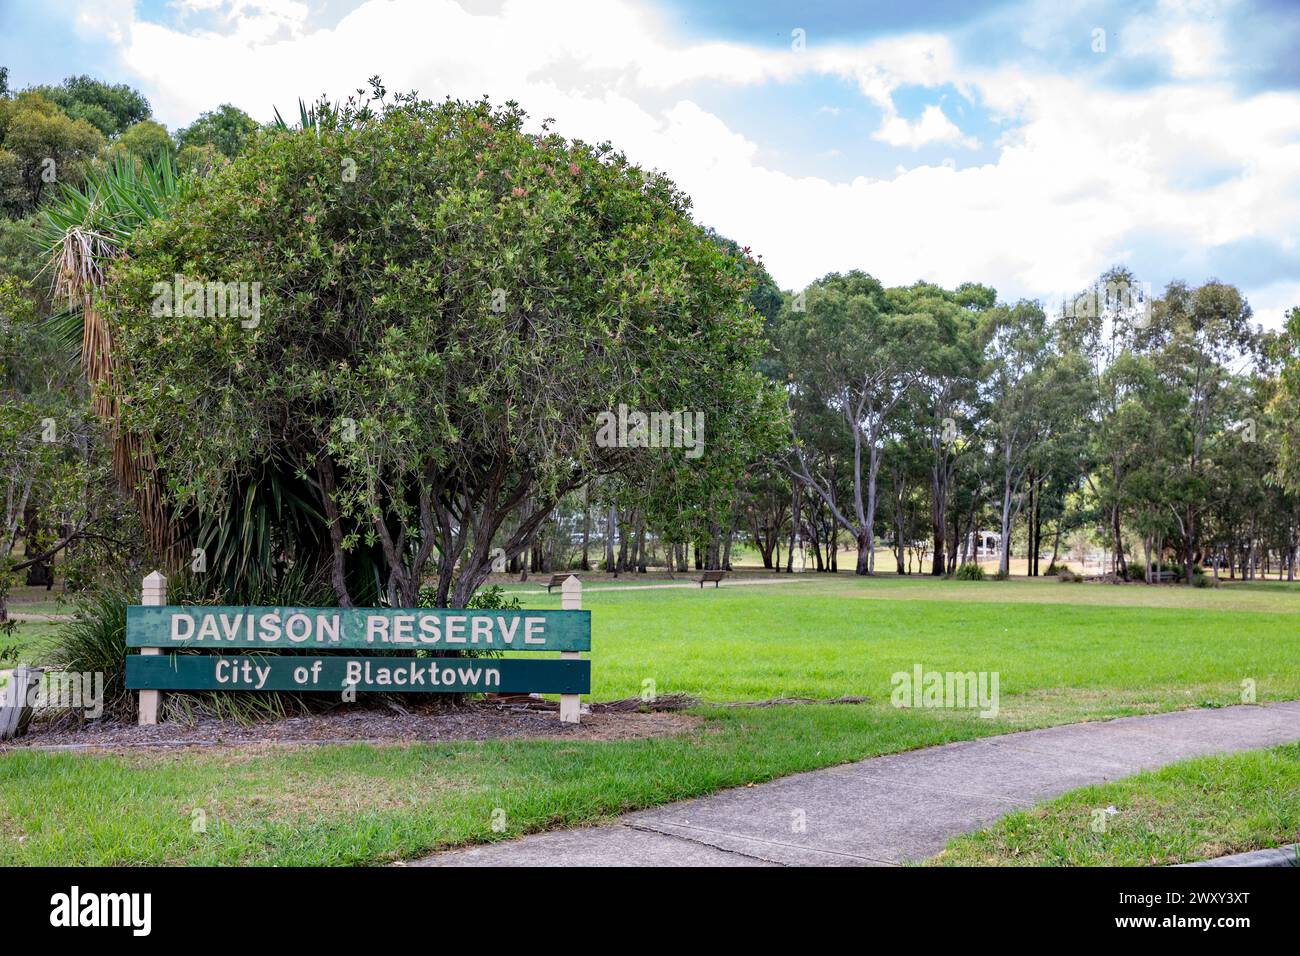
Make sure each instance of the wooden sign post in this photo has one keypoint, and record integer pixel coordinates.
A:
(154, 594)
(570, 600)
(279, 649)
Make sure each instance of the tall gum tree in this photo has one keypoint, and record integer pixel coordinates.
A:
(1037, 388)
(1203, 337)
(850, 350)
(945, 389)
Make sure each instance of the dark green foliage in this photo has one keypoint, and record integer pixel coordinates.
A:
(228, 129)
(110, 108)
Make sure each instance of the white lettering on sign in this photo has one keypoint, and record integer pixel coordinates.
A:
(241, 671)
(417, 673)
(269, 628)
(291, 626)
(453, 629)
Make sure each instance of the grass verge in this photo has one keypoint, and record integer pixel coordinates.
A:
(356, 804)
(1193, 810)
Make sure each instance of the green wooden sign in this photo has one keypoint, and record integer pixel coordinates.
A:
(295, 672)
(317, 629)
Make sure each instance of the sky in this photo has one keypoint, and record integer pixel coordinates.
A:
(1026, 145)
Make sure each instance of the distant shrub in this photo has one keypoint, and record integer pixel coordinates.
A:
(1202, 580)
(494, 599)
(491, 598)
(970, 571)
(1063, 573)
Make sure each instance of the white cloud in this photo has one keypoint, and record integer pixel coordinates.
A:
(1080, 173)
(932, 127)
(1186, 34)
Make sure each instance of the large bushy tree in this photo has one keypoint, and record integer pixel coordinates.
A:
(109, 107)
(40, 146)
(446, 304)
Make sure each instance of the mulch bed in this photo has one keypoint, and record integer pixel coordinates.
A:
(504, 716)
(476, 720)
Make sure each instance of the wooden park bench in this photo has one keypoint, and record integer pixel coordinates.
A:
(1163, 577)
(714, 576)
(558, 579)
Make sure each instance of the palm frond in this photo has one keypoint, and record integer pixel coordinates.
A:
(313, 117)
(82, 232)
(88, 225)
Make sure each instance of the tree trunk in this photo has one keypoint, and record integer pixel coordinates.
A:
(586, 531)
(1037, 543)
(794, 526)
(1004, 549)
(1121, 565)
(864, 543)
(1031, 568)
(938, 527)
(611, 529)
(900, 543)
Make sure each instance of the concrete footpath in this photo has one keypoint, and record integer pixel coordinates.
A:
(890, 810)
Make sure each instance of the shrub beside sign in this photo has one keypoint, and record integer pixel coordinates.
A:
(239, 633)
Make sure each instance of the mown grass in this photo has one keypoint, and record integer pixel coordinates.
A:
(1194, 810)
(847, 637)
(31, 638)
(363, 804)
(1058, 662)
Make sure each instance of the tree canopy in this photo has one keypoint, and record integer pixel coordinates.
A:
(447, 304)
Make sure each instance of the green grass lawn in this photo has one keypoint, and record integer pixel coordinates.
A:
(1062, 653)
(362, 804)
(31, 638)
(844, 636)
(1194, 810)
(38, 600)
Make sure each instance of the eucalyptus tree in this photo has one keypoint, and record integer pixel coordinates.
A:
(852, 351)
(1037, 388)
(945, 405)
(1204, 336)
(823, 447)
(448, 304)
(1109, 323)
(1283, 351)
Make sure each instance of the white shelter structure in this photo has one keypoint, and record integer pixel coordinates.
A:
(984, 544)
